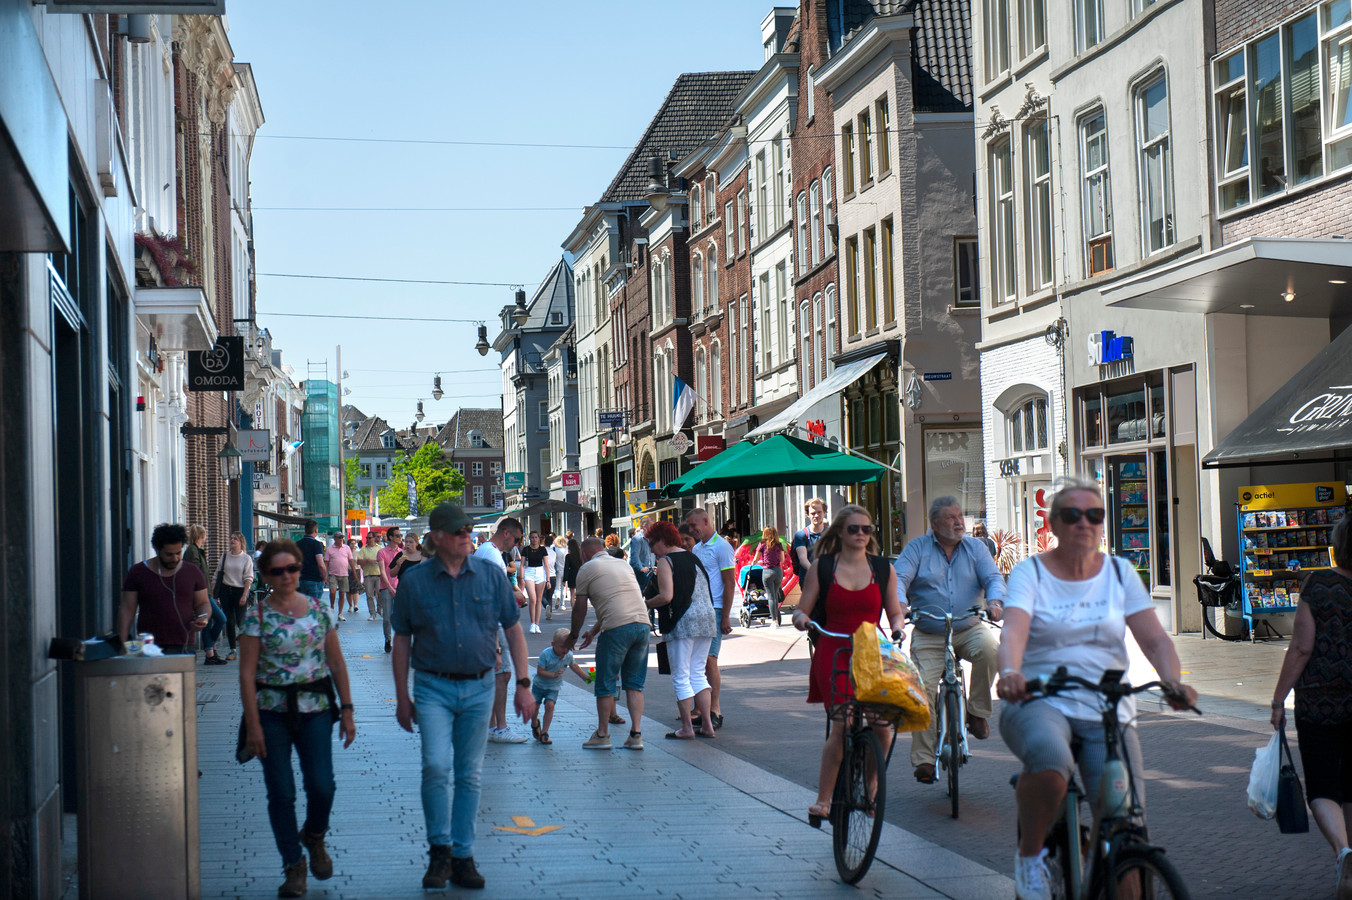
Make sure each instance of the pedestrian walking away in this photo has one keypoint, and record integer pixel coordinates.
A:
(622, 646)
(1318, 665)
(497, 551)
(234, 576)
(944, 572)
(549, 669)
(1071, 607)
(685, 616)
(313, 571)
(641, 557)
(389, 582)
(338, 562)
(554, 598)
(196, 554)
(848, 584)
(293, 684)
(718, 559)
(368, 558)
(446, 615)
(165, 596)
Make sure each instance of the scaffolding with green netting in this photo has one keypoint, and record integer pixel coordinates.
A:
(322, 467)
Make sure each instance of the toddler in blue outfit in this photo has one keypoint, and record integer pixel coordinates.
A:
(548, 678)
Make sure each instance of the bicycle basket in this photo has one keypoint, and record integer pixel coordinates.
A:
(1215, 591)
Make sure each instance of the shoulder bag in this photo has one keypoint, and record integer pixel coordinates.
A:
(1292, 817)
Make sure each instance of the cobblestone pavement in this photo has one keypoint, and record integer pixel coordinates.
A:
(1197, 767)
(676, 820)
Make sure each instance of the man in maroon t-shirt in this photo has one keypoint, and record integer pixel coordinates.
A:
(166, 597)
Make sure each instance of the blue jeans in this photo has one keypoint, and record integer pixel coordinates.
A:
(314, 746)
(386, 607)
(621, 654)
(314, 589)
(453, 723)
(212, 633)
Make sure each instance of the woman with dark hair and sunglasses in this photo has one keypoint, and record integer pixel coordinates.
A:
(293, 682)
(849, 583)
(1070, 606)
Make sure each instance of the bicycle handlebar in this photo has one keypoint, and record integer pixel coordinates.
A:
(813, 626)
(974, 611)
(1114, 690)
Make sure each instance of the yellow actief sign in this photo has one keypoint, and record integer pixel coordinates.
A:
(1285, 496)
(356, 515)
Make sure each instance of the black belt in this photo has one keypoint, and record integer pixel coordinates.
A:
(456, 676)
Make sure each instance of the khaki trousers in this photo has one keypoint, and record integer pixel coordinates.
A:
(978, 645)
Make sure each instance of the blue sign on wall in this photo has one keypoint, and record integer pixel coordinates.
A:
(938, 376)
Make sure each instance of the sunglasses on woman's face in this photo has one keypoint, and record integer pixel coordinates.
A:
(859, 529)
(1070, 515)
(279, 571)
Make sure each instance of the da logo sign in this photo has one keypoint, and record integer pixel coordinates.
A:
(219, 369)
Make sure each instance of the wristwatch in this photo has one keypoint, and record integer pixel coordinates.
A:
(523, 682)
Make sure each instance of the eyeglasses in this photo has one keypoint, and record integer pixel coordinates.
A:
(859, 529)
(279, 571)
(1070, 515)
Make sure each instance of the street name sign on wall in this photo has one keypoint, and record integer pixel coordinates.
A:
(219, 369)
(255, 445)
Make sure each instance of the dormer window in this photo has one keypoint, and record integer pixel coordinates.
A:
(476, 439)
(387, 440)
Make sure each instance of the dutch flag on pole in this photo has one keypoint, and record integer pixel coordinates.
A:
(683, 400)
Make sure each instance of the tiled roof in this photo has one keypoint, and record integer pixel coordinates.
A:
(369, 433)
(455, 434)
(698, 104)
(352, 414)
(554, 295)
(941, 64)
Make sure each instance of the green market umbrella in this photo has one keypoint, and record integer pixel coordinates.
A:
(775, 462)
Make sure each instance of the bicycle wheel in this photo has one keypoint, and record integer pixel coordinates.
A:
(953, 720)
(1143, 872)
(861, 789)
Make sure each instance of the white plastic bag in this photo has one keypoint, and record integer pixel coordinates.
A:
(1267, 766)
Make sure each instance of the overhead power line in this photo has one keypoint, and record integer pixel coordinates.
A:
(441, 143)
(371, 318)
(576, 208)
(392, 280)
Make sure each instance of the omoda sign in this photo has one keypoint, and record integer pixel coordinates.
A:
(219, 369)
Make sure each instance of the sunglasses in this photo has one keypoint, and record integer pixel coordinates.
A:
(1070, 515)
(279, 571)
(859, 529)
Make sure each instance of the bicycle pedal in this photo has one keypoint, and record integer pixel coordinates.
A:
(814, 821)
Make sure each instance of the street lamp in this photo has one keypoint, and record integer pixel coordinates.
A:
(520, 314)
(437, 393)
(421, 416)
(482, 345)
(230, 462)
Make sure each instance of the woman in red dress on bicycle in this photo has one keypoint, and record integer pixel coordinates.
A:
(860, 584)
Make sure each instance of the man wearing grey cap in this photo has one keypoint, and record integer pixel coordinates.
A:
(446, 616)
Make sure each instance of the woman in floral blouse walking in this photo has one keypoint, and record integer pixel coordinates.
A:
(292, 676)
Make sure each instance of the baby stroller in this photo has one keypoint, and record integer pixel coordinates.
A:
(755, 600)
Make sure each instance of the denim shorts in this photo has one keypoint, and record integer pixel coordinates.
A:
(717, 643)
(546, 690)
(622, 651)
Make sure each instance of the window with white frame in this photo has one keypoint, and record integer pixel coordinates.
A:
(711, 274)
(759, 216)
(865, 134)
(476, 469)
(766, 336)
(815, 211)
(729, 228)
(884, 122)
(811, 93)
(1038, 159)
(478, 494)
(784, 303)
(1096, 193)
(544, 415)
(868, 265)
(1027, 423)
(741, 222)
(847, 157)
(777, 174)
(734, 359)
(1155, 164)
(829, 306)
(382, 470)
(1032, 27)
(746, 359)
(476, 439)
(710, 200)
(995, 38)
(716, 378)
(696, 208)
(805, 353)
(495, 469)
(800, 208)
(701, 384)
(818, 338)
(1002, 222)
(697, 284)
(1088, 24)
(387, 440)
(459, 467)
(965, 277)
(888, 282)
(853, 294)
(1269, 107)
(364, 470)
(828, 213)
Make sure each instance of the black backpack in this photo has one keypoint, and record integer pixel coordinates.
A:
(826, 576)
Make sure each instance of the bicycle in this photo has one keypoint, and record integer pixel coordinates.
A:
(1118, 841)
(860, 794)
(950, 712)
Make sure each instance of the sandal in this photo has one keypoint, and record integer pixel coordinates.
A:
(673, 736)
(924, 773)
(535, 727)
(544, 738)
(616, 720)
(816, 812)
(707, 737)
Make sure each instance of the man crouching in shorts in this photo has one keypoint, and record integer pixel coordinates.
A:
(622, 648)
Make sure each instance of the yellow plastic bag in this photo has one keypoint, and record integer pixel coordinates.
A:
(884, 674)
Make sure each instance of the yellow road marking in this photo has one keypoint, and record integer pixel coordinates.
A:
(526, 825)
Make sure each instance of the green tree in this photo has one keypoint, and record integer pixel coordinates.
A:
(432, 472)
(352, 497)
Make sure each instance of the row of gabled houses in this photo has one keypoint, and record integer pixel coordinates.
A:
(986, 244)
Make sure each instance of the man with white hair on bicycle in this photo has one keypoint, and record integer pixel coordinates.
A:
(942, 572)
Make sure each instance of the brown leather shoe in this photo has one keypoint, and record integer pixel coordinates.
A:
(321, 864)
(980, 728)
(924, 773)
(294, 886)
(438, 867)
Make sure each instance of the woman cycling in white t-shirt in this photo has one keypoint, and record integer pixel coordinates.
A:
(1070, 606)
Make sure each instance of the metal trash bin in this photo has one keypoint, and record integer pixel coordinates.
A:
(137, 777)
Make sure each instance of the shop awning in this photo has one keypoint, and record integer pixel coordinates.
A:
(515, 512)
(550, 507)
(837, 381)
(775, 462)
(179, 318)
(1307, 420)
(1249, 278)
(281, 517)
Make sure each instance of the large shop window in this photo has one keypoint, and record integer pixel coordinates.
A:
(954, 466)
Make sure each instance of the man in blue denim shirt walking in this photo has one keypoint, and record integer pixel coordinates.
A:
(944, 572)
(446, 616)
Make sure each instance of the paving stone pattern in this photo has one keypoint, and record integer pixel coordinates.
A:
(676, 820)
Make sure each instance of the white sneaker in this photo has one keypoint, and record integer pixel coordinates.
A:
(1031, 878)
(505, 736)
(1342, 875)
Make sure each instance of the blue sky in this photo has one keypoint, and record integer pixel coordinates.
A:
(580, 73)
